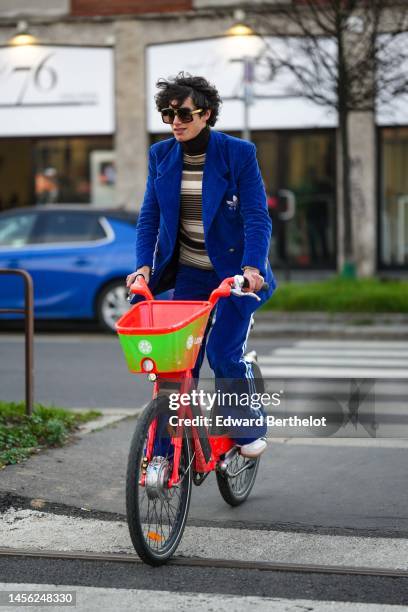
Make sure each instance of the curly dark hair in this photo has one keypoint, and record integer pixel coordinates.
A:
(184, 85)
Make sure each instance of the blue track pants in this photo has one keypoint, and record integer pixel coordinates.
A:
(225, 344)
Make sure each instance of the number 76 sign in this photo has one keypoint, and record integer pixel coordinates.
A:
(40, 75)
(57, 80)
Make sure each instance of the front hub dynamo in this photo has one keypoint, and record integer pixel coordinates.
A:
(157, 478)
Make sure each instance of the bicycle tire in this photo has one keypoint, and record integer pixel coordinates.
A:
(235, 490)
(235, 496)
(148, 548)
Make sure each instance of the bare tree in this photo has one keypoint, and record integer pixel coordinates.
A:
(350, 56)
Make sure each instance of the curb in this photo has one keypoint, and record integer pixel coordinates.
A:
(109, 417)
(274, 331)
(337, 325)
(372, 318)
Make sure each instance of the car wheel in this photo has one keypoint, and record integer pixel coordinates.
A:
(112, 304)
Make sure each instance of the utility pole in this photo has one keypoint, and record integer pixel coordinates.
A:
(248, 77)
(248, 81)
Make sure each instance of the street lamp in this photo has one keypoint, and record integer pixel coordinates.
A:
(22, 36)
(248, 72)
(239, 29)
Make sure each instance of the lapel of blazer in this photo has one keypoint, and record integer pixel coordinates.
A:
(214, 181)
(168, 185)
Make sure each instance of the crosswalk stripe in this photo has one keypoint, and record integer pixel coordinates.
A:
(37, 530)
(341, 372)
(372, 353)
(109, 598)
(337, 359)
(366, 344)
(295, 360)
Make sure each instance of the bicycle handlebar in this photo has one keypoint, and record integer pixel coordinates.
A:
(265, 286)
(232, 285)
(140, 287)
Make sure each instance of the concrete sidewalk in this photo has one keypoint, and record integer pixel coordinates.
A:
(269, 325)
(323, 486)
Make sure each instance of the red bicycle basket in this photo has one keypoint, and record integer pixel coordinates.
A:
(168, 333)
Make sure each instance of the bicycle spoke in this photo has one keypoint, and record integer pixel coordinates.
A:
(160, 516)
(156, 513)
(240, 482)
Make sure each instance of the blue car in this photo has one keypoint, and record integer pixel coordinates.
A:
(78, 257)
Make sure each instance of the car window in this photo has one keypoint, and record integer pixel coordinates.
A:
(68, 227)
(16, 230)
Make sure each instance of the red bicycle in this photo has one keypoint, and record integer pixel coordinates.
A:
(168, 452)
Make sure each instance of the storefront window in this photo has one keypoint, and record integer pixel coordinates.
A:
(15, 173)
(300, 165)
(57, 170)
(394, 201)
(74, 170)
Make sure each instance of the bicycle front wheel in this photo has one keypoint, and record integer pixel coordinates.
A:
(157, 515)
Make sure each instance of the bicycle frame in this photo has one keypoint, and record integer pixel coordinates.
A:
(216, 445)
(205, 459)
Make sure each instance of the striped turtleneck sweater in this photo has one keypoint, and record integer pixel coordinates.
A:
(193, 251)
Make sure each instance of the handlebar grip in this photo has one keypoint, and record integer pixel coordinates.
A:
(264, 287)
(140, 287)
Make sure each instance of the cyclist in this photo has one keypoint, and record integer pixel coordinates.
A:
(204, 217)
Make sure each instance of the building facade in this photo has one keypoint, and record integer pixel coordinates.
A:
(77, 117)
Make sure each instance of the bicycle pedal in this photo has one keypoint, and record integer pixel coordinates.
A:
(199, 477)
(229, 456)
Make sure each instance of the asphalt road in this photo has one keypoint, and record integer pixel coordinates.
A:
(350, 490)
(219, 581)
(76, 370)
(307, 486)
(344, 483)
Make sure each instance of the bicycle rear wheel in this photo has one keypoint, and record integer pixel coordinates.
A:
(236, 482)
(235, 485)
(157, 515)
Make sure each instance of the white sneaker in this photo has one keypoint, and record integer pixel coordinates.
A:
(254, 449)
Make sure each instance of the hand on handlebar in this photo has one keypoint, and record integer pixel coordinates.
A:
(237, 285)
(144, 270)
(143, 276)
(240, 287)
(255, 280)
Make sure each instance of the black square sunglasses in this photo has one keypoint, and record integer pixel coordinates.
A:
(186, 115)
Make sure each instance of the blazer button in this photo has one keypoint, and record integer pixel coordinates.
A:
(231, 250)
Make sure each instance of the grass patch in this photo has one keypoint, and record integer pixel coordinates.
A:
(342, 295)
(22, 435)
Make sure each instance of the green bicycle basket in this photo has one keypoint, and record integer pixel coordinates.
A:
(163, 336)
